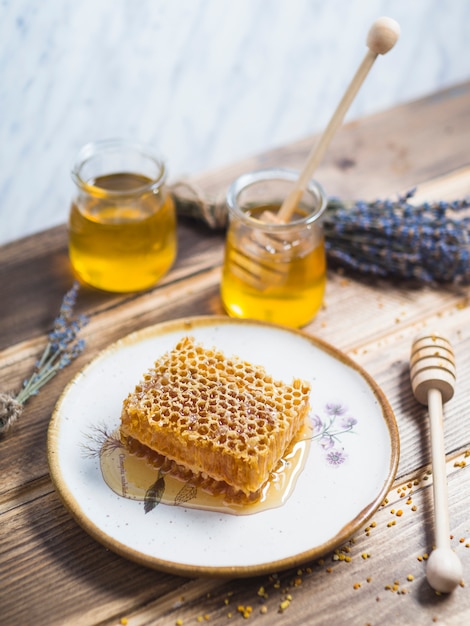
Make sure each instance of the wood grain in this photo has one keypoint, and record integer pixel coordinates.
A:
(52, 572)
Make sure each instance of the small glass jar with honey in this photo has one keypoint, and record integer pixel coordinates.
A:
(273, 271)
(122, 222)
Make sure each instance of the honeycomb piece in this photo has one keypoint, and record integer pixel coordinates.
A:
(220, 418)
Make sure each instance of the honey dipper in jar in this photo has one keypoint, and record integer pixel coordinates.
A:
(274, 265)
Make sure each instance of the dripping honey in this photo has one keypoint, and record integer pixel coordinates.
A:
(122, 233)
(129, 475)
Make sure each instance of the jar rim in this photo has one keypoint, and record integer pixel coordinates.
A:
(103, 146)
(248, 179)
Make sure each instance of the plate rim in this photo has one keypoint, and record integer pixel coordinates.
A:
(164, 565)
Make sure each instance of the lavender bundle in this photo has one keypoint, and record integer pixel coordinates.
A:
(429, 242)
(62, 348)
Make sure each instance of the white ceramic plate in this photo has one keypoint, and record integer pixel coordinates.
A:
(349, 469)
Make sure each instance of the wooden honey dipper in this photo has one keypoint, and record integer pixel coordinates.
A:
(433, 377)
(382, 36)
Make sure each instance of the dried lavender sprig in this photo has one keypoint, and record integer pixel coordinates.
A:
(62, 348)
(428, 242)
(48, 370)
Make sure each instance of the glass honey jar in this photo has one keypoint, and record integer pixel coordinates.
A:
(122, 221)
(273, 271)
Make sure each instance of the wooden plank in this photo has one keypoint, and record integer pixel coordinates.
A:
(450, 186)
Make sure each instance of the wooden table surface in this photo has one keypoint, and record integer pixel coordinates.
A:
(53, 572)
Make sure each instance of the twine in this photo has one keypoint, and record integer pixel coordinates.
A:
(10, 411)
(192, 201)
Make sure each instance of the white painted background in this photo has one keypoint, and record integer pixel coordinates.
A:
(207, 82)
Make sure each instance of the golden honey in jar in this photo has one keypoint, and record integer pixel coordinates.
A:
(122, 222)
(273, 271)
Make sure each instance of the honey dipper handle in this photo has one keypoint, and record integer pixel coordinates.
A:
(440, 495)
(382, 36)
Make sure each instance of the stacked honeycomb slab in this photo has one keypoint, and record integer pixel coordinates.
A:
(220, 418)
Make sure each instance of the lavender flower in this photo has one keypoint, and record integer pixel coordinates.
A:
(326, 442)
(317, 424)
(348, 423)
(429, 243)
(62, 348)
(335, 409)
(336, 457)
